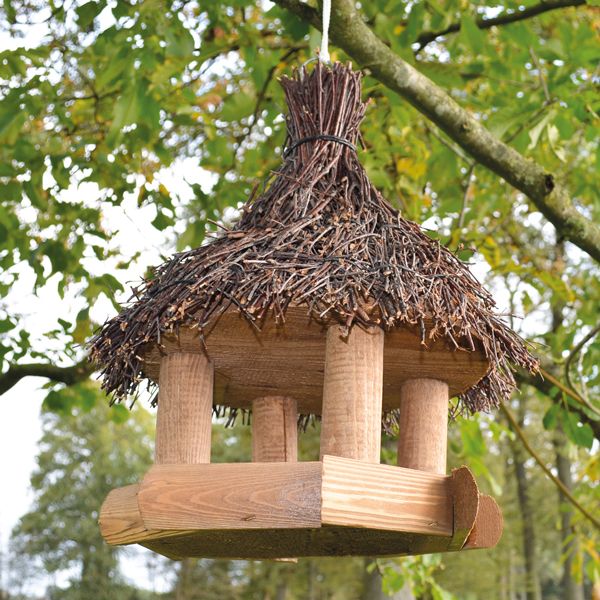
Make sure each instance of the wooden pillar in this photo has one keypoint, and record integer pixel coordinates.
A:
(352, 394)
(274, 429)
(423, 425)
(183, 422)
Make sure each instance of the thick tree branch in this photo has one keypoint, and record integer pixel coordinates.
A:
(350, 32)
(69, 375)
(506, 18)
(304, 11)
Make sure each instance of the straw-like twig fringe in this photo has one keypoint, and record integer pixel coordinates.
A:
(231, 415)
(320, 235)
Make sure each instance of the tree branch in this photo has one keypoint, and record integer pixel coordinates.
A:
(557, 482)
(573, 354)
(68, 375)
(350, 32)
(545, 386)
(465, 202)
(538, 66)
(452, 147)
(304, 11)
(426, 37)
(570, 392)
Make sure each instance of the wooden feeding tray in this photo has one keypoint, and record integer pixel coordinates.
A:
(347, 504)
(335, 507)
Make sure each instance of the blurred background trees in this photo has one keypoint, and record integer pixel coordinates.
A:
(165, 114)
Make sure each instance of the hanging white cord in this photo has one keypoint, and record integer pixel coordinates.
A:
(324, 56)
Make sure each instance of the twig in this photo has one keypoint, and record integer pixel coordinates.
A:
(557, 482)
(426, 37)
(566, 390)
(528, 122)
(450, 145)
(530, 86)
(570, 358)
(590, 79)
(465, 202)
(536, 62)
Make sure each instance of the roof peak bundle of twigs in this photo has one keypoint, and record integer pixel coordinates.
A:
(323, 237)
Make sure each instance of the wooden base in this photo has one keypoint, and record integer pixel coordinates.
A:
(289, 359)
(337, 507)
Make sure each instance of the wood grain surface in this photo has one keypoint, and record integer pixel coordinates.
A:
(340, 507)
(385, 497)
(274, 429)
(465, 501)
(262, 544)
(184, 418)
(120, 519)
(231, 496)
(289, 359)
(423, 436)
(487, 530)
(121, 522)
(352, 394)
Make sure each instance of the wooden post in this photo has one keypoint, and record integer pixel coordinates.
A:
(352, 394)
(183, 422)
(274, 429)
(423, 425)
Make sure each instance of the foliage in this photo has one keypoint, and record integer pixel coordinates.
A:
(416, 572)
(82, 457)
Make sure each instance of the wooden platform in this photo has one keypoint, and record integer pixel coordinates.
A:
(337, 507)
(252, 364)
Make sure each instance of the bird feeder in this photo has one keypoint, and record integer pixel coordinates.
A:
(322, 300)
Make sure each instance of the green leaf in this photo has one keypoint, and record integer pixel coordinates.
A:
(439, 593)
(6, 325)
(118, 413)
(127, 111)
(7, 170)
(580, 435)
(471, 35)
(443, 74)
(55, 402)
(180, 41)
(261, 66)
(86, 13)
(237, 107)
(536, 131)
(292, 24)
(34, 193)
(472, 438)
(162, 221)
(12, 128)
(553, 138)
(550, 419)
(87, 397)
(554, 47)
(64, 324)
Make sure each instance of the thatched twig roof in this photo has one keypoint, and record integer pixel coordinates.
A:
(322, 236)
